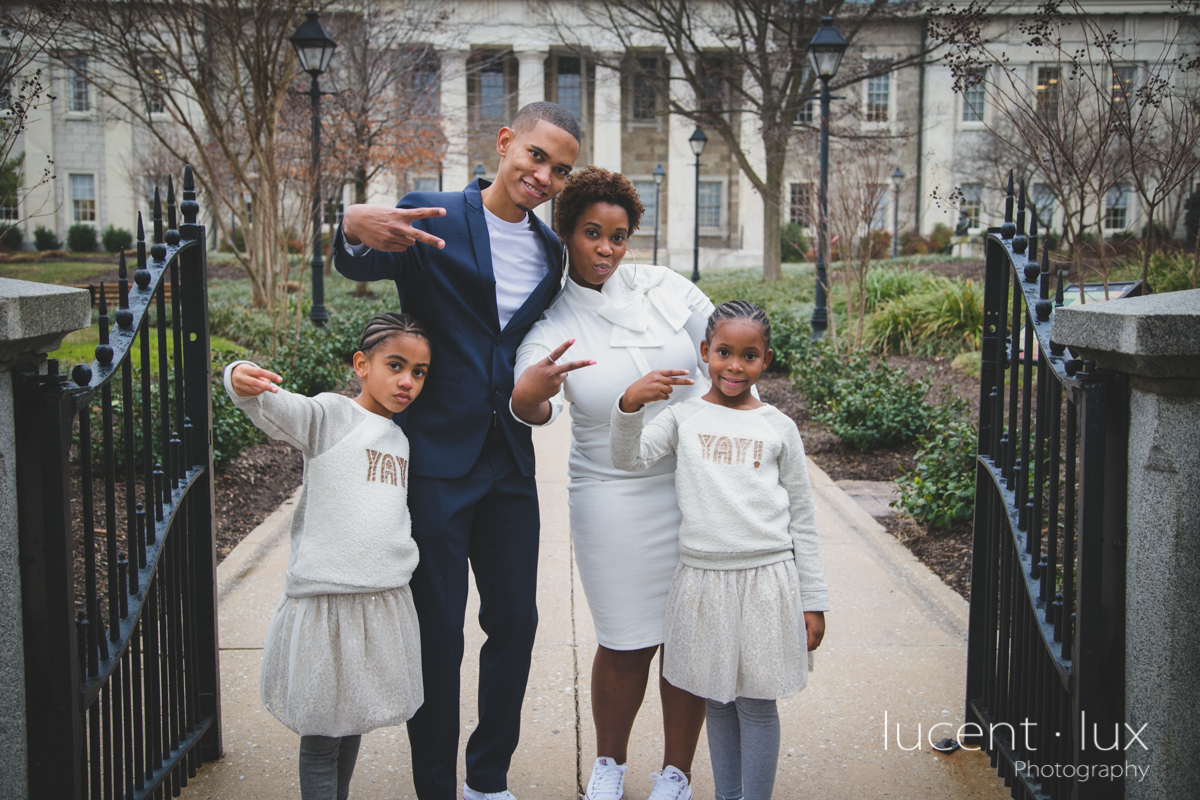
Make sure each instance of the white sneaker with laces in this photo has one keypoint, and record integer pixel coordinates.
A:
(471, 794)
(607, 781)
(670, 784)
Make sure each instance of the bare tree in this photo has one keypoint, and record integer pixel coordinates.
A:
(25, 31)
(756, 51)
(1079, 120)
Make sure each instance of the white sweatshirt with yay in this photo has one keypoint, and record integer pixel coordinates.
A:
(742, 483)
(351, 532)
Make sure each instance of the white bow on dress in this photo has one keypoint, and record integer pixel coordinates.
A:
(630, 308)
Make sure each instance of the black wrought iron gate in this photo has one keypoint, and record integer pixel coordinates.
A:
(1046, 650)
(122, 684)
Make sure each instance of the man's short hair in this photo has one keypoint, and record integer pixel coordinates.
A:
(553, 113)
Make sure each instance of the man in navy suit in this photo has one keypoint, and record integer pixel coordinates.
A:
(478, 269)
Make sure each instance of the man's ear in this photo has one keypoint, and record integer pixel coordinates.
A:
(503, 140)
(704, 350)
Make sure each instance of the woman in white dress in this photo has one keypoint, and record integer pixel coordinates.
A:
(622, 323)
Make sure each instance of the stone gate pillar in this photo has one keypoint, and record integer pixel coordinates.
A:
(1155, 341)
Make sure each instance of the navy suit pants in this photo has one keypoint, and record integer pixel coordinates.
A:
(490, 518)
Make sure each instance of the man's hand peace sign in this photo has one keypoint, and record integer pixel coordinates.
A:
(541, 381)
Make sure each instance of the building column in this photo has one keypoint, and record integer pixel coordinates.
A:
(750, 202)
(681, 179)
(606, 141)
(456, 161)
(39, 205)
(531, 88)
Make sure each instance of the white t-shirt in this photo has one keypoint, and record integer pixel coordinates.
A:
(518, 262)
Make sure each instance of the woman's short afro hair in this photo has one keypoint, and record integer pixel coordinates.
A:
(594, 185)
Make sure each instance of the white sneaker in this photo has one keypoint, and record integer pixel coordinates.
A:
(670, 784)
(471, 794)
(607, 781)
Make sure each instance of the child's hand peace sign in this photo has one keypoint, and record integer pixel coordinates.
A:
(653, 386)
(250, 381)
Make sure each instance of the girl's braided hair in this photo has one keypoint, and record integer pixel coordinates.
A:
(384, 326)
(739, 310)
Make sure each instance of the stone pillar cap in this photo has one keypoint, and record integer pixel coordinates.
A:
(34, 318)
(1155, 336)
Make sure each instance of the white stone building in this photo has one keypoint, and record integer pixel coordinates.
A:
(503, 55)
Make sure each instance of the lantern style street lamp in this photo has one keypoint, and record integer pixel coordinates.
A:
(478, 171)
(697, 141)
(897, 177)
(314, 48)
(825, 53)
(659, 174)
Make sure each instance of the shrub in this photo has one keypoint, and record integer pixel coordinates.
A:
(816, 374)
(939, 239)
(888, 283)
(116, 239)
(913, 243)
(793, 244)
(941, 490)
(1170, 272)
(877, 408)
(13, 238)
(941, 318)
(875, 245)
(232, 430)
(81, 238)
(1158, 233)
(311, 362)
(44, 239)
(791, 339)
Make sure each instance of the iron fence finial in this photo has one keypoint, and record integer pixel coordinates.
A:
(158, 250)
(172, 235)
(1008, 229)
(141, 275)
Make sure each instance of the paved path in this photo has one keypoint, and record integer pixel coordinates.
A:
(895, 644)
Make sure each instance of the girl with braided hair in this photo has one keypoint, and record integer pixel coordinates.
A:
(342, 655)
(748, 598)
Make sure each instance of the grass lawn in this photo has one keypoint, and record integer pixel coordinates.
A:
(57, 272)
(80, 348)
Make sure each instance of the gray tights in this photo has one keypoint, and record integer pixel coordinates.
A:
(326, 766)
(743, 743)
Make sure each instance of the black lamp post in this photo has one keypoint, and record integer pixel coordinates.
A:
(478, 171)
(825, 55)
(897, 177)
(659, 174)
(697, 141)
(315, 48)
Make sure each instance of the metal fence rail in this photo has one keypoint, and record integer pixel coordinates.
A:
(1046, 648)
(122, 683)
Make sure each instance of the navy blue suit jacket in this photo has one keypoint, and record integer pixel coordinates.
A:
(453, 294)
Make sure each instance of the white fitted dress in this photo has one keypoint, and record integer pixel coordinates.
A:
(624, 526)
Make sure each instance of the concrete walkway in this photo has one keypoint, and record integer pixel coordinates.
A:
(896, 644)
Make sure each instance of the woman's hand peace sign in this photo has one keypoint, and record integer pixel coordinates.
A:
(541, 381)
(653, 386)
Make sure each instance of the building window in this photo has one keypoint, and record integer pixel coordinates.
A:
(1048, 91)
(645, 190)
(8, 209)
(801, 206)
(1043, 204)
(425, 86)
(425, 184)
(645, 98)
(1116, 207)
(709, 209)
(491, 91)
(334, 210)
(972, 204)
(807, 112)
(878, 89)
(973, 95)
(1122, 85)
(712, 86)
(78, 95)
(570, 85)
(83, 198)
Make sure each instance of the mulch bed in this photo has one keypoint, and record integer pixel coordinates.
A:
(946, 553)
